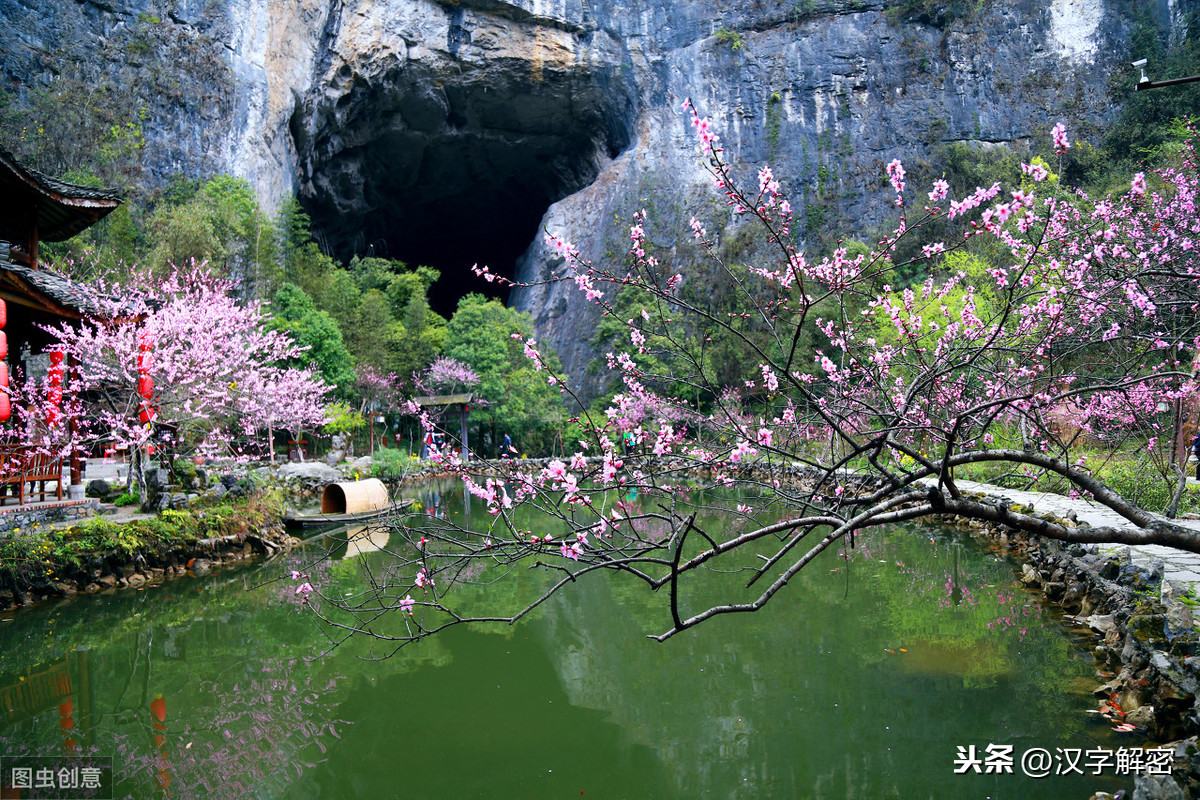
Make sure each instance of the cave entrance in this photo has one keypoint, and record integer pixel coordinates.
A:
(413, 168)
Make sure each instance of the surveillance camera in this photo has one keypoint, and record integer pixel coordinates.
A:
(1141, 62)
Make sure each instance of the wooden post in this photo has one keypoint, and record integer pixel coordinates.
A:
(462, 431)
(73, 424)
(33, 240)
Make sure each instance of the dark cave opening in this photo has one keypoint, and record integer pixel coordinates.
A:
(454, 217)
(449, 176)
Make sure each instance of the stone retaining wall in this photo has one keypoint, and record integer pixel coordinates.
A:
(16, 518)
(114, 570)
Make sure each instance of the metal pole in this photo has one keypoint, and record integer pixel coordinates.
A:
(1173, 82)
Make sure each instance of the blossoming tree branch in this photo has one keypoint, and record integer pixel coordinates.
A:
(182, 364)
(1088, 315)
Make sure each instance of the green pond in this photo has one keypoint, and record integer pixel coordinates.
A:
(863, 679)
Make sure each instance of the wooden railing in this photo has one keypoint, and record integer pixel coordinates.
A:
(21, 466)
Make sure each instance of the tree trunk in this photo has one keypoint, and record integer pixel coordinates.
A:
(1180, 485)
(136, 484)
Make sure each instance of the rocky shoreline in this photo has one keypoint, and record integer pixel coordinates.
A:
(112, 570)
(1147, 649)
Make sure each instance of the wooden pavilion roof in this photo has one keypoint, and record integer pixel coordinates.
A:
(56, 210)
(444, 400)
(43, 290)
(36, 208)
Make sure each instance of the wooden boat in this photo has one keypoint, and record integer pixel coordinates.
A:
(347, 503)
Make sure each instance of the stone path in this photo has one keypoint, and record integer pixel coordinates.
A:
(1179, 565)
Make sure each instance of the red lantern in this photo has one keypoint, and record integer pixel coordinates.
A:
(4, 375)
(3, 344)
(5, 407)
(3, 313)
(147, 414)
(54, 391)
(158, 707)
(145, 386)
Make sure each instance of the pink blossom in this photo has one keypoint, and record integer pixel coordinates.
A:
(1138, 185)
(895, 171)
(1036, 171)
(1061, 142)
(770, 379)
(742, 450)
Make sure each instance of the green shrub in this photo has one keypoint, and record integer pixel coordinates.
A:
(184, 468)
(1140, 482)
(99, 533)
(389, 464)
(731, 38)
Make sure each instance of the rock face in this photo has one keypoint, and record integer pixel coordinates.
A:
(449, 132)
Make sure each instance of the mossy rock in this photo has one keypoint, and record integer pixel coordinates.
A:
(1147, 627)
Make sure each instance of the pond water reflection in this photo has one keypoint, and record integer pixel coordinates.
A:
(859, 681)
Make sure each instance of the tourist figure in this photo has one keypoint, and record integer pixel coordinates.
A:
(506, 447)
(1196, 453)
(426, 445)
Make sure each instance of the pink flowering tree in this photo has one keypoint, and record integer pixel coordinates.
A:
(183, 365)
(286, 398)
(378, 392)
(866, 401)
(446, 376)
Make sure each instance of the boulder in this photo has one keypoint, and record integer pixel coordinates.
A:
(312, 473)
(1157, 787)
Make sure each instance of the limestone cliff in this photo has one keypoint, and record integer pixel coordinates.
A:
(449, 131)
